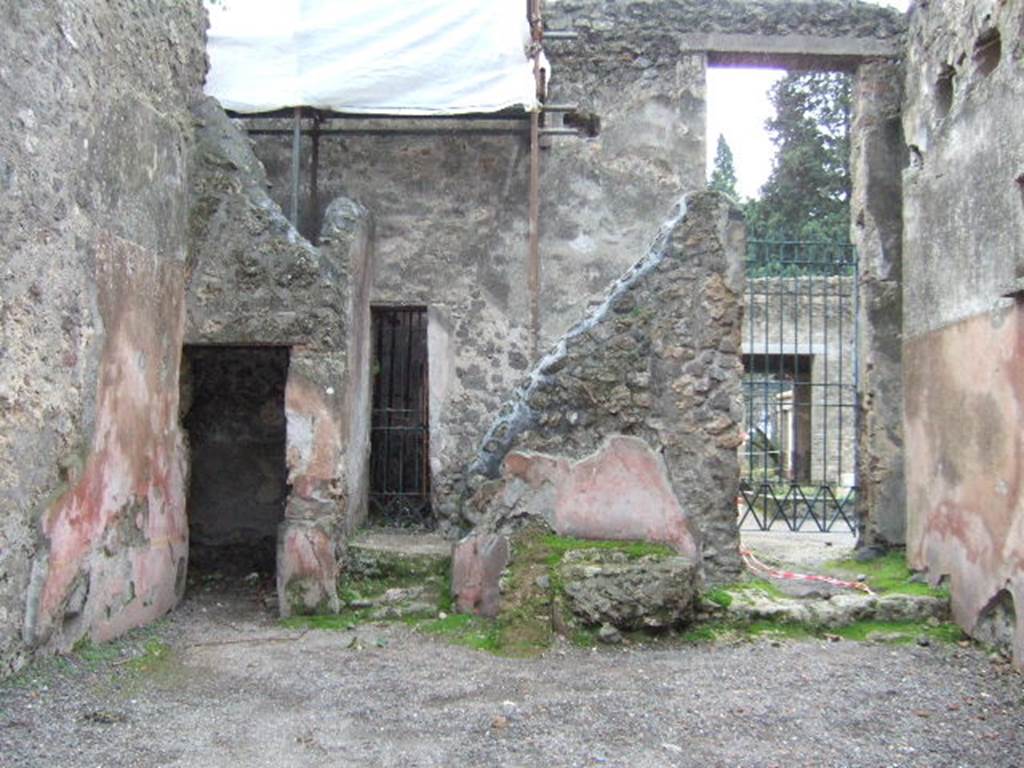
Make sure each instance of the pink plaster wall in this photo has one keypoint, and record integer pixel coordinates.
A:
(315, 442)
(622, 491)
(121, 524)
(964, 401)
(307, 569)
(477, 563)
(307, 562)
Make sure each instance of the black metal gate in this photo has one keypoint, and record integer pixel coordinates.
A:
(798, 459)
(400, 426)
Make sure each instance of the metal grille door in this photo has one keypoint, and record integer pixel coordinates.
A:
(400, 431)
(798, 459)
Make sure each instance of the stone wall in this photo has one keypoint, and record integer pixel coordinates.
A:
(628, 428)
(451, 209)
(963, 257)
(878, 157)
(253, 280)
(93, 209)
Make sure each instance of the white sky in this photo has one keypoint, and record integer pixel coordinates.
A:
(737, 103)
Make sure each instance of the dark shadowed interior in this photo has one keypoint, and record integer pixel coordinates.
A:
(233, 412)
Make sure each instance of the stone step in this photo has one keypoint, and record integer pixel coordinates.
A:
(385, 554)
(394, 575)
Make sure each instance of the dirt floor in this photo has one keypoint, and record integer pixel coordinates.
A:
(221, 683)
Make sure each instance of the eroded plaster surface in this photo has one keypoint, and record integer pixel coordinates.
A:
(962, 260)
(622, 492)
(93, 208)
(965, 466)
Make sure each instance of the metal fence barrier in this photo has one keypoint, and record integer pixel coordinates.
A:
(798, 458)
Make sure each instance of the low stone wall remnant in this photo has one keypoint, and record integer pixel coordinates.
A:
(628, 429)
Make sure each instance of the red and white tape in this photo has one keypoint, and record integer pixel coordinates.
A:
(760, 568)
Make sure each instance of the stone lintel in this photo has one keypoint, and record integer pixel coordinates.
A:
(788, 51)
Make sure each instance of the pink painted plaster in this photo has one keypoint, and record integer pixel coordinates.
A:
(964, 411)
(477, 563)
(307, 569)
(136, 459)
(620, 492)
(315, 440)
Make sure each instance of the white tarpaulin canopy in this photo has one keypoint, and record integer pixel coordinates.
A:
(386, 56)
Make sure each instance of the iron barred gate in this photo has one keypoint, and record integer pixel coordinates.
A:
(400, 426)
(798, 458)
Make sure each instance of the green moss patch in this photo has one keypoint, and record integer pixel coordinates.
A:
(886, 574)
(557, 546)
(461, 629)
(525, 622)
(95, 654)
(155, 656)
(900, 631)
(346, 619)
(764, 586)
(896, 632)
(720, 597)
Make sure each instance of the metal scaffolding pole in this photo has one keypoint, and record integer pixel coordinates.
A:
(533, 253)
(296, 146)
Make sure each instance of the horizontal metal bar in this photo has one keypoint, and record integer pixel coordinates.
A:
(326, 114)
(559, 34)
(434, 130)
(560, 107)
(559, 132)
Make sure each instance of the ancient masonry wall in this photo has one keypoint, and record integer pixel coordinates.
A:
(253, 280)
(963, 321)
(628, 428)
(93, 207)
(450, 211)
(878, 157)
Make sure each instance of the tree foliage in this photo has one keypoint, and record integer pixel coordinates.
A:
(723, 174)
(807, 195)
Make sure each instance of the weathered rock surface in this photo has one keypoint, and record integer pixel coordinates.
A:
(477, 565)
(395, 575)
(380, 554)
(608, 588)
(837, 611)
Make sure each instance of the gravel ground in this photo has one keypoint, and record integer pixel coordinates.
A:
(807, 551)
(236, 689)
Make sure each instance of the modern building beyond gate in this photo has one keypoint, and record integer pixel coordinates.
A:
(798, 459)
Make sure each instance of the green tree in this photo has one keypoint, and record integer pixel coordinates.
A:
(723, 175)
(807, 195)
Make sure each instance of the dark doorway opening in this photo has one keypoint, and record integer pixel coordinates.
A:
(233, 412)
(400, 428)
(777, 400)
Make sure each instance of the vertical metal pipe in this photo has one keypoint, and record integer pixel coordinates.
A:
(314, 181)
(533, 255)
(296, 147)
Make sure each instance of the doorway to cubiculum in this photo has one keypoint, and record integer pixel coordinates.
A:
(232, 406)
(400, 425)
